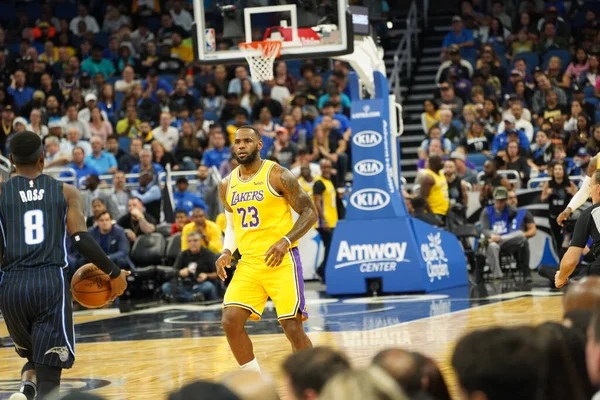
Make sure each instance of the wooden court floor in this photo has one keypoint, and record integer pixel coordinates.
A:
(122, 368)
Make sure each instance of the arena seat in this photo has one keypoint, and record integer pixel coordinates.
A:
(165, 230)
(592, 100)
(588, 91)
(148, 250)
(173, 248)
(531, 59)
(478, 159)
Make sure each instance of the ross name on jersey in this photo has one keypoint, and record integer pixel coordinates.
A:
(255, 195)
(31, 195)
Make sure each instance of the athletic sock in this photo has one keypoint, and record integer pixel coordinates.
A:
(251, 366)
(29, 389)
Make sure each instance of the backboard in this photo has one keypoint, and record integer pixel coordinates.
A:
(306, 28)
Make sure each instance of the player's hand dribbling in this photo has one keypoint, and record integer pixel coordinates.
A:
(118, 285)
(224, 261)
(276, 252)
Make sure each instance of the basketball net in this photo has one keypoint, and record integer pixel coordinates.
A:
(261, 57)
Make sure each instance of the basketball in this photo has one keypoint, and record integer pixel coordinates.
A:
(90, 286)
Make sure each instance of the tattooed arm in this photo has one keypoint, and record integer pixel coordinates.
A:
(287, 185)
(284, 182)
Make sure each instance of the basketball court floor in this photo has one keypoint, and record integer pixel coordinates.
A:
(149, 352)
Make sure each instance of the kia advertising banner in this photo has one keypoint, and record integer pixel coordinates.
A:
(378, 239)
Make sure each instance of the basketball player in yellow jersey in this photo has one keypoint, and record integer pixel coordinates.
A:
(583, 193)
(258, 197)
(434, 188)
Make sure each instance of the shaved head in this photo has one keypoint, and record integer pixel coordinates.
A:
(582, 295)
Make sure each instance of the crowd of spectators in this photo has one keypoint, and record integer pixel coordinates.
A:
(519, 89)
(115, 94)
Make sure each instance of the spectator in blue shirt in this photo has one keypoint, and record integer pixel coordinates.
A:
(461, 37)
(219, 153)
(185, 200)
(81, 169)
(102, 161)
(340, 121)
(153, 84)
(146, 164)
(97, 65)
(21, 93)
(501, 140)
(112, 239)
(149, 193)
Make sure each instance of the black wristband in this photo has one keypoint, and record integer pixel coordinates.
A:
(85, 245)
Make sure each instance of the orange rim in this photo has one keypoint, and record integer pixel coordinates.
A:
(266, 46)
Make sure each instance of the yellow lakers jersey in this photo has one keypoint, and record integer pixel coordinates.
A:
(438, 196)
(329, 199)
(261, 216)
(306, 186)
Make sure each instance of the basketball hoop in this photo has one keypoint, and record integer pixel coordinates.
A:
(260, 56)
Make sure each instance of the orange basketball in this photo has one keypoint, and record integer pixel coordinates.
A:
(90, 286)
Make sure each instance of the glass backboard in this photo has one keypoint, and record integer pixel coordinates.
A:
(306, 28)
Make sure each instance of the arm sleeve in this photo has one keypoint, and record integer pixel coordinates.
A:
(85, 245)
(581, 196)
(229, 242)
(582, 231)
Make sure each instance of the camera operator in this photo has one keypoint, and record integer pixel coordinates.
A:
(586, 226)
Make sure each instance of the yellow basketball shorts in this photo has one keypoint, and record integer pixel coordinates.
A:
(254, 282)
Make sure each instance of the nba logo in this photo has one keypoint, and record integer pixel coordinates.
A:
(209, 39)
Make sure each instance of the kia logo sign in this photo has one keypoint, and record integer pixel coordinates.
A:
(367, 139)
(369, 199)
(368, 167)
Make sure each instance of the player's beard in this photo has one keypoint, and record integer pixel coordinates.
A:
(250, 158)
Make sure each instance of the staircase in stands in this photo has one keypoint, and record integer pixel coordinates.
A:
(420, 87)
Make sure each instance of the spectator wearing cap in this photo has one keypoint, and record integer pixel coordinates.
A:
(153, 83)
(461, 37)
(515, 117)
(449, 100)
(71, 120)
(101, 160)
(581, 160)
(91, 101)
(78, 164)
(22, 94)
(165, 133)
(19, 125)
(455, 67)
(284, 150)
(501, 224)
(96, 64)
(184, 199)
(501, 139)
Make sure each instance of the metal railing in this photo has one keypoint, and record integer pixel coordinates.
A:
(513, 176)
(403, 54)
(535, 183)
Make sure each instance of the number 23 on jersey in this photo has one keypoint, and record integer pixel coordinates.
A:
(249, 216)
